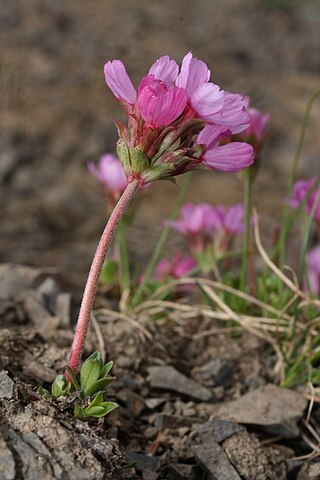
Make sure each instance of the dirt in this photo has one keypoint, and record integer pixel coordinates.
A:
(56, 114)
(203, 406)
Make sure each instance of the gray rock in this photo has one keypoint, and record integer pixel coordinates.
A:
(212, 458)
(218, 430)
(218, 370)
(6, 385)
(16, 278)
(276, 410)
(48, 291)
(63, 309)
(309, 471)
(168, 378)
(7, 467)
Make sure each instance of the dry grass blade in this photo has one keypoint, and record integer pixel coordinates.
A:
(121, 316)
(97, 330)
(291, 285)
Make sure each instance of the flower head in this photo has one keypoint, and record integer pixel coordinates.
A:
(300, 191)
(167, 115)
(110, 173)
(206, 226)
(313, 262)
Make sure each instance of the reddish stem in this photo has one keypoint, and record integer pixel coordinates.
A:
(94, 275)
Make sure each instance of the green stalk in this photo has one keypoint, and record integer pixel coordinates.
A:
(162, 240)
(246, 244)
(285, 219)
(124, 273)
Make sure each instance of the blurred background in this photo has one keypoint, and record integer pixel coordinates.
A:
(56, 111)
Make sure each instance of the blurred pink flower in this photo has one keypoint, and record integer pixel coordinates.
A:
(258, 122)
(166, 113)
(110, 173)
(202, 224)
(178, 267)
(299, 192)
(313, 263)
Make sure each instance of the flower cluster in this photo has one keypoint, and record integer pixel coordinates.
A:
(207, 227)
(177, 120)
(299, 193)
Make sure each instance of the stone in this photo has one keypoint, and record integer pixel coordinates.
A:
(212, 458)
(16, 278)
(168, 378)
(275, 410)
(6, 385)
(7, 466)
(218, 370)
(63, 309)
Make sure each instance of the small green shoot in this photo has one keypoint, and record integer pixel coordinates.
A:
(94, 379)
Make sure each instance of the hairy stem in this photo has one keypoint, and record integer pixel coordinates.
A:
(94, 275)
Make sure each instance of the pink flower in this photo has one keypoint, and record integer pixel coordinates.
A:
(178, 267)
(313, 262)
(110, 173)
(165, 115)
(204, 97)
(202, 224)
(158, 105)
(299, 192)
(258, 124)
(231, 157)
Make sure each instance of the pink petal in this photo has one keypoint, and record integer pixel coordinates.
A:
(193, 73)
(232, 157)
(207, 100)
(210, 135)
(119, 82)
(159, 108)
(233, 113)
(165, 69)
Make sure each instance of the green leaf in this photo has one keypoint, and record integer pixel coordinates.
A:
(95, 411)
(106, 369)
(89, 374)
(73, 379)
(45, 394)
(100, 410)
(96, 356)
(78, 412)
(109, 272)
(98, 399)
(99, 386)
(60, 387)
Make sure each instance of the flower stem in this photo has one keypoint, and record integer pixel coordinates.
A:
(94, 275)
(246, 246)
